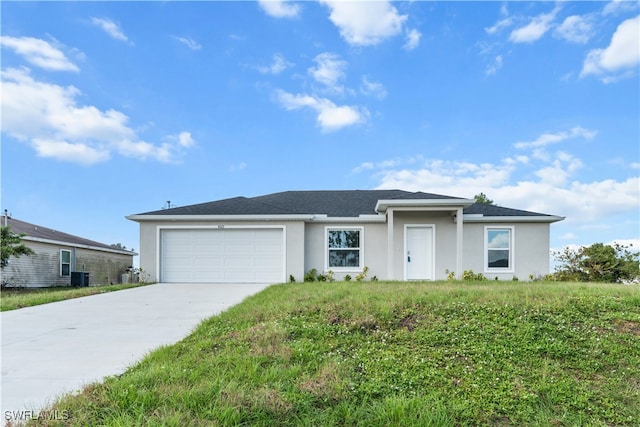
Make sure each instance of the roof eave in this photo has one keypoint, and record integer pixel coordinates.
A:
(184, 218)
(512, 218)
(383, 205)
(361, 219)
(78, 245)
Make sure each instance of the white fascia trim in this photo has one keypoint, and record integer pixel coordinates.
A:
(257, 218)
(383, 205)
(141, 218)
(76, 245)
(362, 219)
(482, 218)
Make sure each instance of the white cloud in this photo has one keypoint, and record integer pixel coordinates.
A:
(632, 245)
(186, 140)
(278, 65)
(535, 29)
(413, 39)
(279, 8)
(546, 184)
(622, 54)
(329, 71)
(554, 138)
(372, 88)
(330, 117)
(189, 42)
(110, 27)
(494, 66)
(506, 21)
(39, 53)
(580, 202)
(558, 172)
(47, 116)
(365, 23)
(62, 150)
(238, 167)
(616, 6)
(503, 23)
(574, 28)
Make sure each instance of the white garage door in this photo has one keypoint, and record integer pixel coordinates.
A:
(222, 255)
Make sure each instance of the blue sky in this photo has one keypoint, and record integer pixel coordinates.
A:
(113, 108)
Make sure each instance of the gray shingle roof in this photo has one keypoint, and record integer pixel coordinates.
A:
(493, 210)
(39, 232)
(344, 203)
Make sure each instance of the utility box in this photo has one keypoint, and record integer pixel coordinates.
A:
(79, 278)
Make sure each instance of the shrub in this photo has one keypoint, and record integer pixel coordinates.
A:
(347, 278)
(360, 277)
(597, 263)
(310, 275)
(470, 275)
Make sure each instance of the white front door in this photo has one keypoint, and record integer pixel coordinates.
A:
(419, 252)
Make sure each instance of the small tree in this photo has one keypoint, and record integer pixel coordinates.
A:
(598, 263)
(11, 245)
(483, 199)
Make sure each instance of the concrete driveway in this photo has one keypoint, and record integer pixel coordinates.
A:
(55, 348)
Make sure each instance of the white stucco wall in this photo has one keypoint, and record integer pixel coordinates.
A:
(444, 235)
(374, 239)
(305, 246)
(531, 250)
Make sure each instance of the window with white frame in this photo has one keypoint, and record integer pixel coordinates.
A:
(344, 248)
(65, 262)
(499, 248)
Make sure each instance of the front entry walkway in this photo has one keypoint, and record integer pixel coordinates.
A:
(55, 348)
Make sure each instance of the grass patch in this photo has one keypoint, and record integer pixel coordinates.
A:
(401, 354)
(14, 298)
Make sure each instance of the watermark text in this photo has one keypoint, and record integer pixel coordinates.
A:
(30, 414)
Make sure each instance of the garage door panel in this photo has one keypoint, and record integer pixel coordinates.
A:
(222, 255)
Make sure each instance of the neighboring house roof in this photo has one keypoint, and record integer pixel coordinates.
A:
(339, 204)
(48, 235)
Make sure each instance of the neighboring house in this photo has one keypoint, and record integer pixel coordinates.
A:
(399, 235)
(58, 254)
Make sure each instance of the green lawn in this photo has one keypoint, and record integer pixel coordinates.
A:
(391, 354)
(11, 299)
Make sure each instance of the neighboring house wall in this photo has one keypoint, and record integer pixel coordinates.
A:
(104, 268)
(42, 269)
